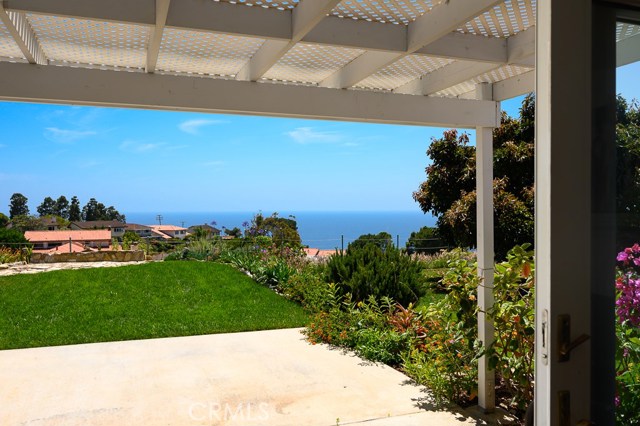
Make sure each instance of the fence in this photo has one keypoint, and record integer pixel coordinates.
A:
(147, 246)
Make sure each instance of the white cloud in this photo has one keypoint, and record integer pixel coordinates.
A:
(66, 136)
(140, 147)
(193, 126)
(308, 135)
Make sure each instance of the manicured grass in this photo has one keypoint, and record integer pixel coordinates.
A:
(137, 302)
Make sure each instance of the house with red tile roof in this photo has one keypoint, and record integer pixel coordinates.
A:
(315, 253)
(44, 240)
(171, 231)
(143, 231)
(73, 247)
(116, 228)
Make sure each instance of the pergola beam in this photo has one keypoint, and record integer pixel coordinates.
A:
(468, 47)
(276, 25)
(22, 33)
(162, 10)
(521, 48)
(306, 15)
(140, 12)
(514, 86)
(80, 86)
(447, 76)
(425, 30)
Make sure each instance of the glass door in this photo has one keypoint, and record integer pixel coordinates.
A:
(627, 282)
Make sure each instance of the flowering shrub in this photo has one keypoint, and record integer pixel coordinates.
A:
(628, 335)
(512, 353)
(363, 327)
(446, 358)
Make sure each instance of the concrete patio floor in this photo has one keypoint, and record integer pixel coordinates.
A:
(270, 378)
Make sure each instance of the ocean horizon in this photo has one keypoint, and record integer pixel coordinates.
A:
(319, 229)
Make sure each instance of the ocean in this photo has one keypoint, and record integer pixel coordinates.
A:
(322, 230)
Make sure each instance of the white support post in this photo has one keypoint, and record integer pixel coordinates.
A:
(484, 223)
(563, 232)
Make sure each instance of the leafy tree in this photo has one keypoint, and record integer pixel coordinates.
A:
(628, 172)
(449, 191)
(425, 240)
(131, 237)
(381, 240)
(47, 208)
(281, 230)
(235, 232)
(75, 215)
(4, 220)
(12, 238)
(61, 207)
(112, 214)
(95, 210)
(27, 223)
(18, 205)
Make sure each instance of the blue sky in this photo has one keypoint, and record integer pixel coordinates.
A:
(159, 161)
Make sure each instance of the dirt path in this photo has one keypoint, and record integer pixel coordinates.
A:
(34, 268)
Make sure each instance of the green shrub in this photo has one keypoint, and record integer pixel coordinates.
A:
(12, 238)
(446, 359)
(243, 259)
(512, 353)
(370, 271)
(273, 273)
(382, 345)
(363, 327)
(307, 288)
(9, 255)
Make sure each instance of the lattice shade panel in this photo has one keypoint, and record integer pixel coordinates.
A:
(282, 5)
(624, 30)
(91, 42)
(9, 50)
(384, 11)
(494, 76)
(211, 54)
(503, 20)
(402, 71)
(311, 63)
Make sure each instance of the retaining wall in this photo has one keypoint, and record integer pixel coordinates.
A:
(92, 256)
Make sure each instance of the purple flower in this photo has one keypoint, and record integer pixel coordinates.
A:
(623, 256)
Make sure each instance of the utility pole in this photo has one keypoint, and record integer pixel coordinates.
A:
(159, 219)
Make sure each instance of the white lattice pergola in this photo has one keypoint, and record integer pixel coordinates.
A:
(422, 62)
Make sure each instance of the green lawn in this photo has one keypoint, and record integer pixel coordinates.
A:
(136, 302)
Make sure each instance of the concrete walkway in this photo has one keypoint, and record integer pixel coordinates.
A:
(261, 378)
